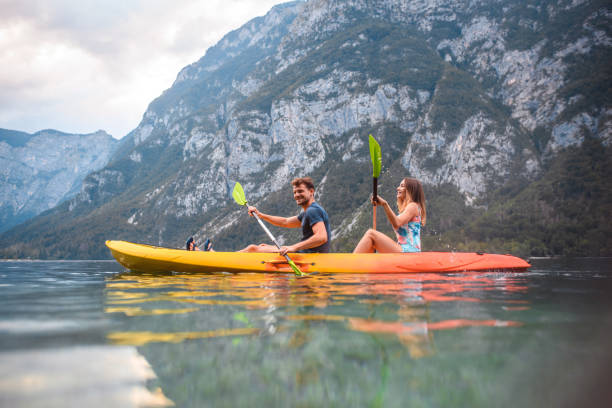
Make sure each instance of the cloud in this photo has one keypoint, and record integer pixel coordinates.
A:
(83, 65)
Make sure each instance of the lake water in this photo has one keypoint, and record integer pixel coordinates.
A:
(89, 334)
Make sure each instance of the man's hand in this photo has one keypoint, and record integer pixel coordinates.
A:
(252, 210)
(284, 250)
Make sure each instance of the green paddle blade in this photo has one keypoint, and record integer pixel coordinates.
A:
(376, 157)
(238, 194)
(296, 270)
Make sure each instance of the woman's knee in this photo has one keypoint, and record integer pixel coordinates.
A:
(371, 233)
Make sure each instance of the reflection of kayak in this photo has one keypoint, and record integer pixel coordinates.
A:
(148, 258)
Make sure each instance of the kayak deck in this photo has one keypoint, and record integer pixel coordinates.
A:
(147, 258)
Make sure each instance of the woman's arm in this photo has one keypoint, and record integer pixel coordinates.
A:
(396, 221)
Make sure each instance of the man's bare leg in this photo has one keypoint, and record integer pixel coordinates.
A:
(260, 248)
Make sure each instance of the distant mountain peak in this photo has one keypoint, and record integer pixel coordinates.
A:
(43, 169)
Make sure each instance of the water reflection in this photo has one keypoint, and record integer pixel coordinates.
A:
(85, 376)
(142, 338)
(262, 304)
(78, 334)
(262, 290)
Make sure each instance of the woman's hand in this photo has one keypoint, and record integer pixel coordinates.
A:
(379, 201)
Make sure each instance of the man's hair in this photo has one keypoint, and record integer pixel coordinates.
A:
(307, 181)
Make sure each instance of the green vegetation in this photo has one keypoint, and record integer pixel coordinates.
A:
(565, 212)
(458, 96)
(444, 30)
(528, 22)
(590, 76)
(394, 54)
(540, 138)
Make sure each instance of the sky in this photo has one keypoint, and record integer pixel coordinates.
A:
(82, 65)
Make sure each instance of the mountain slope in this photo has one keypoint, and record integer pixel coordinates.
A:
(43, 169)
(469, 97)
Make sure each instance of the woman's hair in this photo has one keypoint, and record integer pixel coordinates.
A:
(414, 191)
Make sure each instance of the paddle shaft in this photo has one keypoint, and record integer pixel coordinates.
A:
(293, 266)
(266, 229)
(374, 195)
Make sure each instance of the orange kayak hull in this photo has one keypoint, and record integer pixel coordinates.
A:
(147, 258)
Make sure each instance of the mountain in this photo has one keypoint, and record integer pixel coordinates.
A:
(40, 170)
(485, 101)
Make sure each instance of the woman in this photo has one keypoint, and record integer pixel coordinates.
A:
(407, 224)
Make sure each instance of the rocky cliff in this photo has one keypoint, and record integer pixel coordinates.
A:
(466, 96)
(40, 170)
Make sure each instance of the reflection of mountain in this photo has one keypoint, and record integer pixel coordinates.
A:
(274, 340)
(94, 376)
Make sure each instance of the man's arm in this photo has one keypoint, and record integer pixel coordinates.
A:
(318, 238)
(290, 222)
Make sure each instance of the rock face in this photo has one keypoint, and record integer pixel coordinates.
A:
(468, 94)
(40, 170)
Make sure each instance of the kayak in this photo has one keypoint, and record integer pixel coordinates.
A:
(147, 258)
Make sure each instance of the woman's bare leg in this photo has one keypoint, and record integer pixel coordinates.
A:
(376, 240)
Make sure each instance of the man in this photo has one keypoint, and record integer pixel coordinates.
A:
(313, 220)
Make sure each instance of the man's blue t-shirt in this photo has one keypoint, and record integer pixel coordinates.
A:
(313, 214)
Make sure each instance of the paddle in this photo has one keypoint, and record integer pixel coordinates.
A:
(240, 198)
(376, 157)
